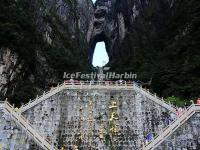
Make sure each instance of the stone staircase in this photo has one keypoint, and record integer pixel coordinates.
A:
(45, 144)
(165, 133)
(97, 85)
(153, 97)
(41, 98)
(24, 124)
(80, 85)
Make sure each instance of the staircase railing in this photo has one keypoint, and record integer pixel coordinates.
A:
(166, 132)
(155, 98)
(24, 124)
(99, 85)
(79, 85)
(41, 98)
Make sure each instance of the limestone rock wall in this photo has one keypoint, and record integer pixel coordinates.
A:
(114, 20)
(56, 21)
(13, 71)
(9, 68)
(72, 15)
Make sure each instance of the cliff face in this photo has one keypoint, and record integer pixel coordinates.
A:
(73, 16)
(40, 40)
(113, 19)
(156, 39)
(17, 80)
(162, 44)
(8, 69)
(49, 37)
(108, 24)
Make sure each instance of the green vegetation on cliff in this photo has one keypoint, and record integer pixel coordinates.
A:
(164, 43)
(19, 32)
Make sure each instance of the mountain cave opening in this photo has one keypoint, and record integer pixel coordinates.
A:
(94, 1)
(100, 56)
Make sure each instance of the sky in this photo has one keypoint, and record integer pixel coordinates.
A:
(100, 57)
(94, 1)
